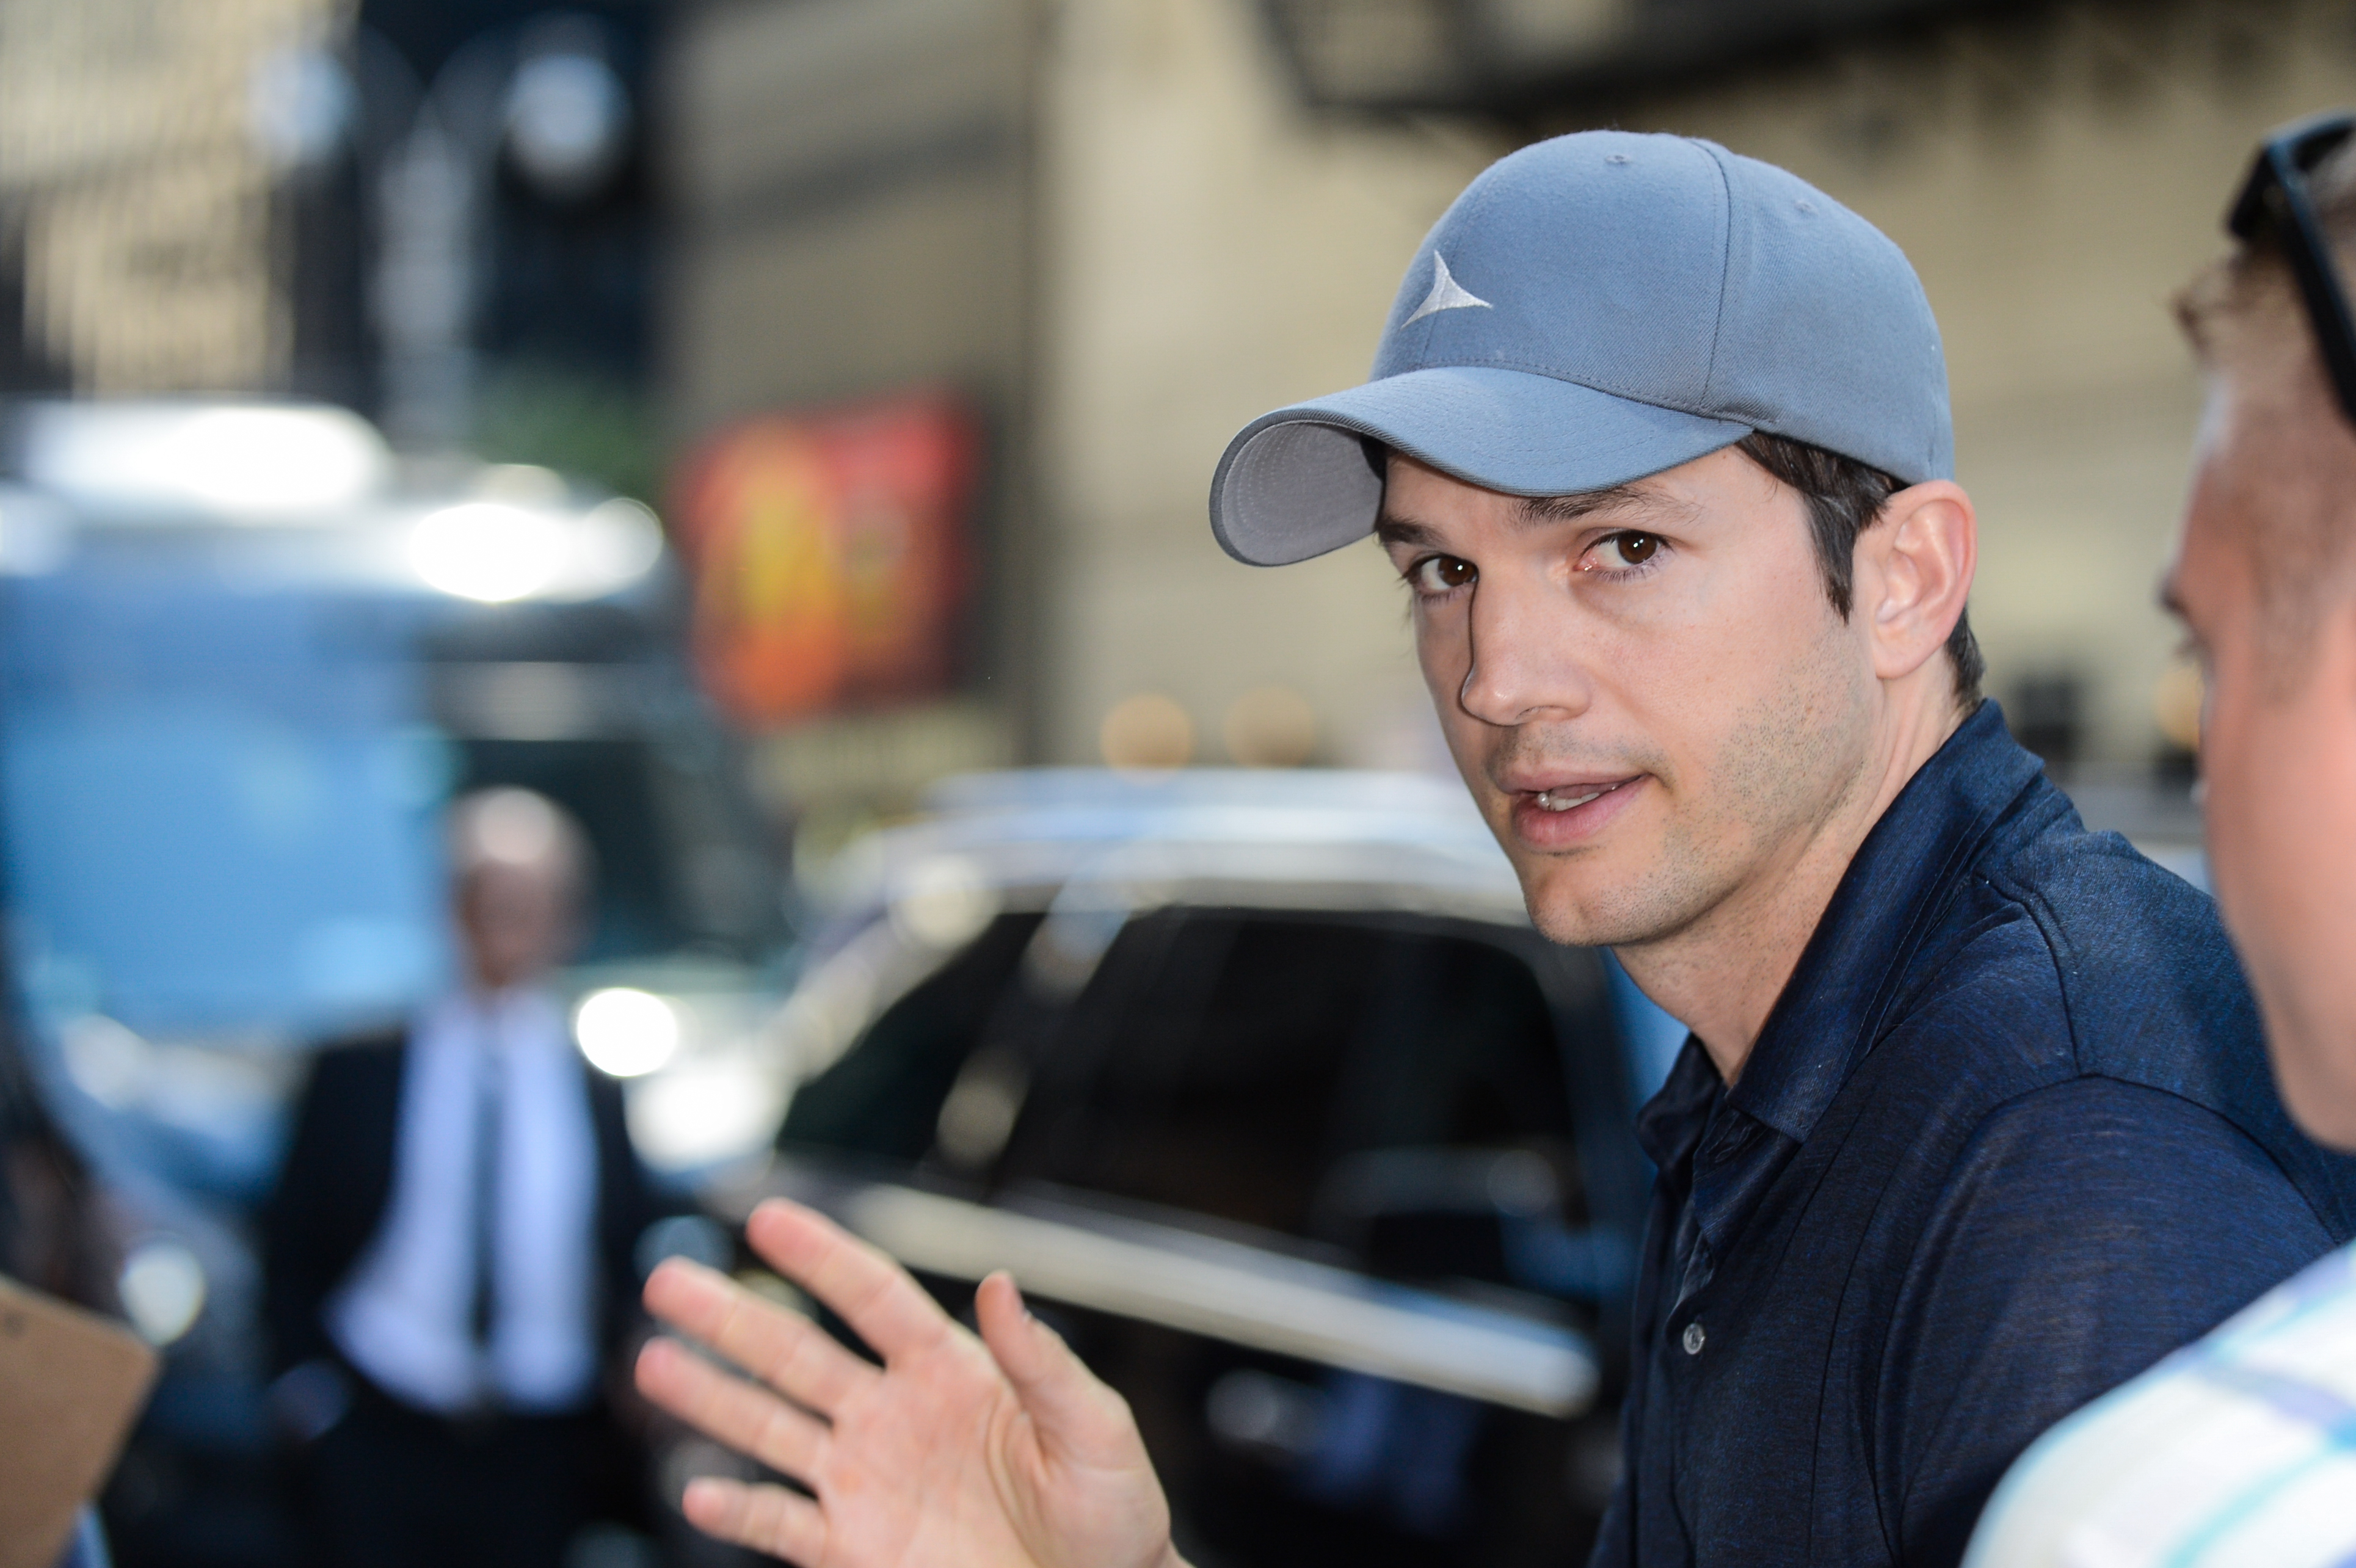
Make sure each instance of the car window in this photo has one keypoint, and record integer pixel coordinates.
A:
(1410, 1089)
(1227, 1062)
(884, 1095)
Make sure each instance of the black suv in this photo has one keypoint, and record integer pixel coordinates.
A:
(1266, 1090)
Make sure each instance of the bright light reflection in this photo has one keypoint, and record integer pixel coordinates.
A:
(163, 1289)
(487, 550)
(698, 1115)
(614, 546)
(246, 460)
(275, 460)
(625, 1032)
(947, 903)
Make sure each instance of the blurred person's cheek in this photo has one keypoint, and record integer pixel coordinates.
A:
(2278, 769)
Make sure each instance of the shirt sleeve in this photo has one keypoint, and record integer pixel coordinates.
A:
(2090, 1228)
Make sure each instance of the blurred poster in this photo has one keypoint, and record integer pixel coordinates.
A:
(828, 552)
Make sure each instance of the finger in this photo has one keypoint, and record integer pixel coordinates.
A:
(1071, 1408)
(867, 1290)
(748, 1419)
(767, 1519)
(779, 1346)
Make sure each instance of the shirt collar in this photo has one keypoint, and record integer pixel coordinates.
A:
(1858, 960)
(1670, 1122)
(518, 1017)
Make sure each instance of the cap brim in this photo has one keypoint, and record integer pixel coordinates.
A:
(1296, 484)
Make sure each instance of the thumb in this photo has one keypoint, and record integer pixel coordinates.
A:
(1072, 1411)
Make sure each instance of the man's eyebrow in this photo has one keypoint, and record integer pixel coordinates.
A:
(1587, 503)
(1390, 530)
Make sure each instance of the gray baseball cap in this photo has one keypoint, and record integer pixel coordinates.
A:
(1599, 307)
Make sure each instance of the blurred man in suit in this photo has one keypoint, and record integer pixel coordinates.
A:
(449, 1256)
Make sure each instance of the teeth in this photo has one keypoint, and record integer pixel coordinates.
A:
(1547, 800)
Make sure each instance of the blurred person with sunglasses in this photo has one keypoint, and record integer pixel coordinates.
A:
(1975, 1123)
(2241, 1449)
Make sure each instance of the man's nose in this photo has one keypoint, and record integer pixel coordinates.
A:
(1525, 660)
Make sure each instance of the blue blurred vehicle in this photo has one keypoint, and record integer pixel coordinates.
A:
(245, 657)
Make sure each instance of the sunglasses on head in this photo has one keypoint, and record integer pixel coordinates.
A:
(2274, 200)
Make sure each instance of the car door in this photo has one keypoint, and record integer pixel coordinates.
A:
(1415, 1104)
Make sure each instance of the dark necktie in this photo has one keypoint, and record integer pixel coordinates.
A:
(485, 1307)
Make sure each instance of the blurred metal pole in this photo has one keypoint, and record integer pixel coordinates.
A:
(548, 88)
(428, 194)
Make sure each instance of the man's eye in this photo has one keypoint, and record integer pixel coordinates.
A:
(1628, 549)
(1439, 573)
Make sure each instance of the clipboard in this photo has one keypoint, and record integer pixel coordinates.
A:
(71, 1384)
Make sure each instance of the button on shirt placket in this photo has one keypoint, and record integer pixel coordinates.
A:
(1733, 1158)
(1714, 1206)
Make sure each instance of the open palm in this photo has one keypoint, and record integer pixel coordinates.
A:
(976, 1452)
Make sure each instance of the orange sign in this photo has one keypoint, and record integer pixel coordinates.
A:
(827, 555)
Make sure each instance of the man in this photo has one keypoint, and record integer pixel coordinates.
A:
(1975, 1123)
(449, 1255)
(2242, 1450)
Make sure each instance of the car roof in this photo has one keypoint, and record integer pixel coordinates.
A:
(1092, 847)
(1321, 838)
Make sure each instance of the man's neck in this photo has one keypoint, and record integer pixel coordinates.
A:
(1721, 975)
(493, 1002)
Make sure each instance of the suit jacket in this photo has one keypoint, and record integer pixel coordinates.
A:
(337, 1182)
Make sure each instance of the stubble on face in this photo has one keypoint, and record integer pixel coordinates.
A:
(1742, 799)
(1745, 706)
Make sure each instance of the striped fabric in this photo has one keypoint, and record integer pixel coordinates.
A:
(2237, 1452)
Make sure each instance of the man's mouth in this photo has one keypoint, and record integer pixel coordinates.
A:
(1561, 815)
(1571, 797)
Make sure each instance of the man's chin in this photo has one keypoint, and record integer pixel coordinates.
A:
(1585, 901)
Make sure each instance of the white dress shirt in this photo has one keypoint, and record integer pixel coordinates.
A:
(404, 1316)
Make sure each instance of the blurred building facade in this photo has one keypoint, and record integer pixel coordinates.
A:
(137, 203)
(1127, 227)
(203, 198)
(1115, 230)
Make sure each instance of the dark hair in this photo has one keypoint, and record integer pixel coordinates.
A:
(1844, 497)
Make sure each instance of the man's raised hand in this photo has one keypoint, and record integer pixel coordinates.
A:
(1002, 1450)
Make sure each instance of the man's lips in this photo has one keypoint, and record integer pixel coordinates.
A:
(1557, 813)
(1571, 797)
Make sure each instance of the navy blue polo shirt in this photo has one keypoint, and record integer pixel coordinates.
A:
(2008, 1138)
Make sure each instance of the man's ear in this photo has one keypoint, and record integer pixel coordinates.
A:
(1914, 567)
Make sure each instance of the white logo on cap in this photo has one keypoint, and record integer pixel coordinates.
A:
(1446, 294)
